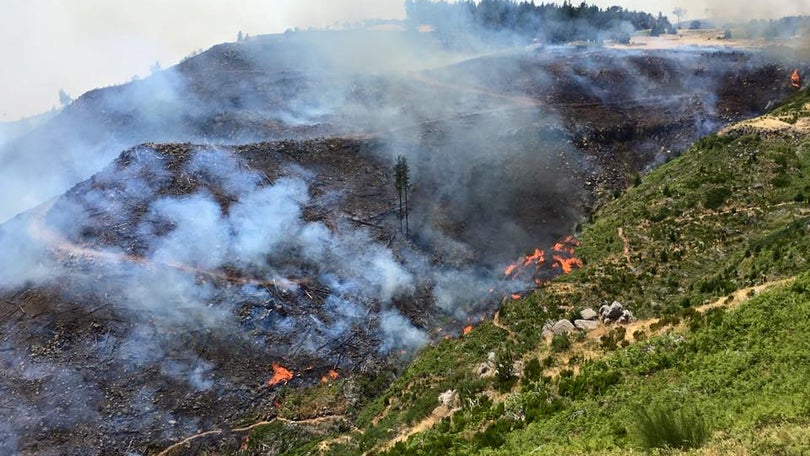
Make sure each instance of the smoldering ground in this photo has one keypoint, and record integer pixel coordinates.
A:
(156, 295)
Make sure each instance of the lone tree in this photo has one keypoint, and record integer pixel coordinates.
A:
(64, 98)
(402, 182)
(679, 13)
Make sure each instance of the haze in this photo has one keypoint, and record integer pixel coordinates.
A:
(79, 45)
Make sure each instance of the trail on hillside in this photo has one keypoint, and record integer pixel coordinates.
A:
(307, 422)
(584, 351)
(625, 247)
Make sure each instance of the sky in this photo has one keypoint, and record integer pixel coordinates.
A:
(79, 45)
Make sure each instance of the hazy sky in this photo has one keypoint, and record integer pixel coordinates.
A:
(77, 45)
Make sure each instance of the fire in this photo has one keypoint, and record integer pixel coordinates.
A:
(563, 254)
(537, 257)
(330, 377)
(509, 270)
(568, 264)
(280, 375)
(467, 329)
(795, 79)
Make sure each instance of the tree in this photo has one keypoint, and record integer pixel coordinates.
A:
(240, 36)
(402, 182)
(64, 98)
(679, 12)
(155, 67)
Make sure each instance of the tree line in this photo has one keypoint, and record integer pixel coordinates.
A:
(526, 21)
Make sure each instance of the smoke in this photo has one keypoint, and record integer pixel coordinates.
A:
(177, 273)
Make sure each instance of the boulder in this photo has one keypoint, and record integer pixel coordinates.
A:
(626, 317)
(449, 398)
(588, 314)
(586, 325)
(611, 313)
(563, 327)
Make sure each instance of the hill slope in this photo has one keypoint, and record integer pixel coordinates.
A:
(730, 214)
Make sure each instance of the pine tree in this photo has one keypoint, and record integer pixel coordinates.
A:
(402, 182)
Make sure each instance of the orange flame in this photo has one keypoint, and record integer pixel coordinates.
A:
(466, 330)
(568, 264)
(563, 254)
(510, 270)
(795, 79)
(537, 257)
(330, 377)
(280, 375)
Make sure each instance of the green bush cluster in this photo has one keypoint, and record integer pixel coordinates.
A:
(663, 427)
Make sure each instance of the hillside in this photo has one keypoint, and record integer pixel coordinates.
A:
(710, 251)
(625, 108)
(242, 275)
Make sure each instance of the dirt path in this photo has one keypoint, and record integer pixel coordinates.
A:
(496, 322)
(625, 247)
(738, 297)
(438, 414)
(188, 440)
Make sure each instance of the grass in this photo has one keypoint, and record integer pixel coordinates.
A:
(662, 427)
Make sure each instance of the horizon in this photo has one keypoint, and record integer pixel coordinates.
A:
(97, 43)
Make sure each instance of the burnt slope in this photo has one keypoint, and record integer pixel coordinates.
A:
(303, 85)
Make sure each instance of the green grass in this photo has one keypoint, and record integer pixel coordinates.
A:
(662, 427)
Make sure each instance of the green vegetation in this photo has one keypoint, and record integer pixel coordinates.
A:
(661, 427)
(723, 217)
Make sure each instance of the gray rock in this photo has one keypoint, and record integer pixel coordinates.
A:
(586, 325)
(449, 398)
(626, 317)
(563, 327)
(612, 313)
(588, 314)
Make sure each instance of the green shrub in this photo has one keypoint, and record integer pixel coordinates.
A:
(715, 197)
(504, 370)
(659, 427)
(560, 343)
(532, 371)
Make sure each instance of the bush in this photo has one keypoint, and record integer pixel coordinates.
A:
(560, 343)
(715, 198)
(532, 371)
(659, 427)
(504, 371)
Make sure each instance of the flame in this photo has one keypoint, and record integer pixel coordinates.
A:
(280, 375)
(795, 79)
(466, 330)
(568, 264)
(537, 257)
(563, 253)
(330, 377)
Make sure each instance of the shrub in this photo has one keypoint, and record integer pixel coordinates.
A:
(532, 371)
(560, 343)
(715, 197)
(659, 427)
(504, 371)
